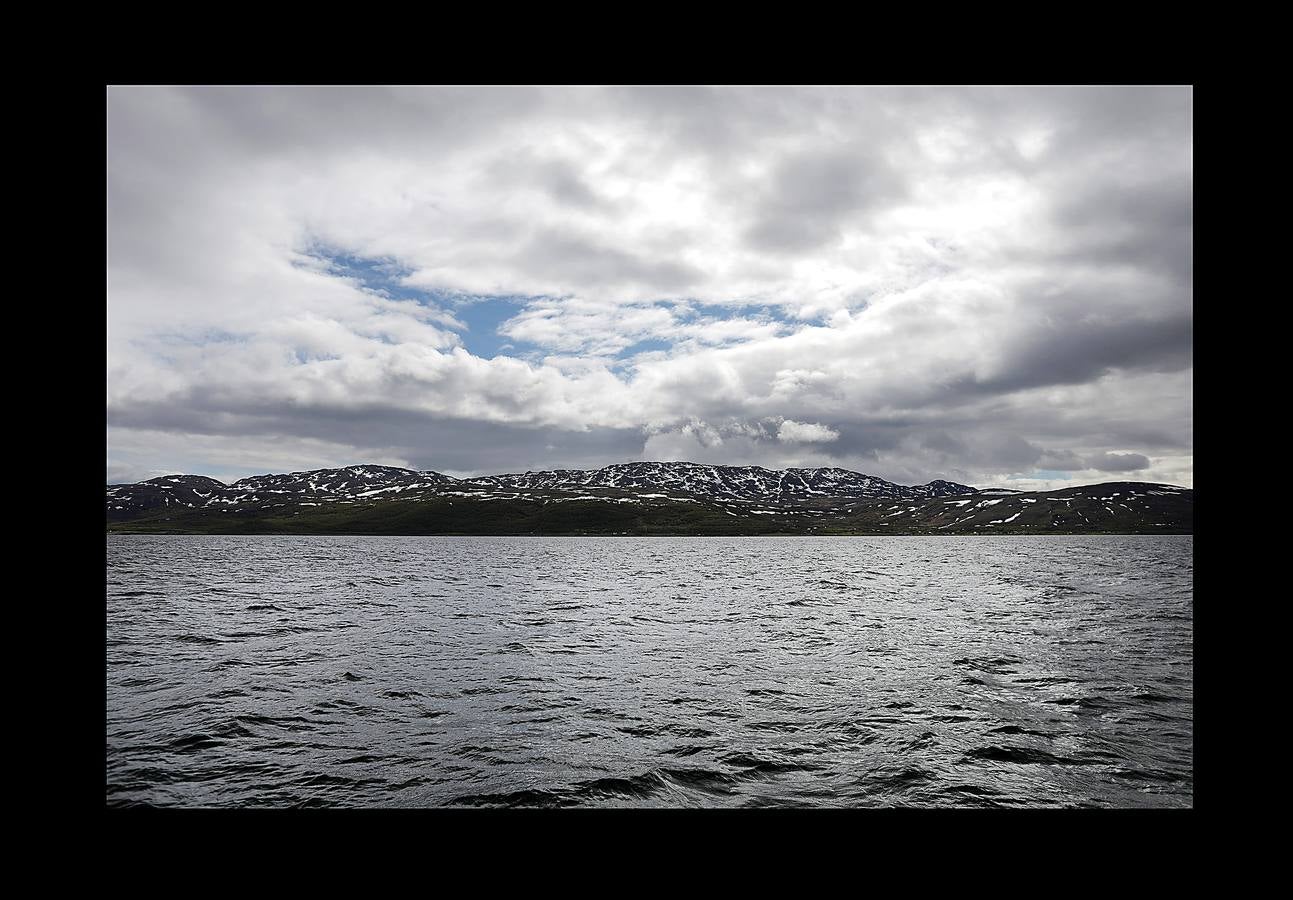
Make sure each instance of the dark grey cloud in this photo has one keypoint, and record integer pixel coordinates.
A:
(294, 120)
(810, 195)
(1147, 225)
(1083, 349)
(582, 259)
(561, 179)
(708, 122)
(454, 444)
(1061, 460)
(1117, 462)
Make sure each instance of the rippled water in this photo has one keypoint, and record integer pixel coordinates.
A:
(462, 671)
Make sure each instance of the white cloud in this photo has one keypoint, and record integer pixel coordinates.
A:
(793, 432)
(916, 282)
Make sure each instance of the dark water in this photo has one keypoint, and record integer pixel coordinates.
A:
(858, 672)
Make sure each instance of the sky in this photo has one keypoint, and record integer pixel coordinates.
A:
(992, 285)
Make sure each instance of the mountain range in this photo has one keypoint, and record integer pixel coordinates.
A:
(632, 498)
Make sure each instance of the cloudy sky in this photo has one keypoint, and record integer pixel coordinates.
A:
(990, 285)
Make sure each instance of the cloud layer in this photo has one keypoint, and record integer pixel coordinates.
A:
(992, 285)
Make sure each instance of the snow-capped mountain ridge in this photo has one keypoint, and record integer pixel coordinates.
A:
(679, 480)
(350, 481)
(748, 483)
(643, 498)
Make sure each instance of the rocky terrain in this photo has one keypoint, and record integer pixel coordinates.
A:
(632, 498)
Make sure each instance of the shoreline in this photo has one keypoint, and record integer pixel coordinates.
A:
(962, 534)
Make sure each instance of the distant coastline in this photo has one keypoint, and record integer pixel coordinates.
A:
(633, 499)
(137, 532)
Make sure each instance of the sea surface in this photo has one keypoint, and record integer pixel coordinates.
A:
(259, 671)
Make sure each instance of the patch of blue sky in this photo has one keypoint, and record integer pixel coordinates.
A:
(751, 310)
(647, 345)
(483, 317)
(480, 315)
(170, 347)
(381, 275)
(1049, 474)
(197, 338)
(303, 357)
(691, 313)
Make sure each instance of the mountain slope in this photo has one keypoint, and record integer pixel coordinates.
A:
(742, 483)
(636, 498)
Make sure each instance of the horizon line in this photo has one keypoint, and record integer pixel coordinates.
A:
(627, 463)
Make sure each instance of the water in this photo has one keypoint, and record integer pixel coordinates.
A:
(463, 671)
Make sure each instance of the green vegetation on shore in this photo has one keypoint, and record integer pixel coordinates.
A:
(463, 516)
